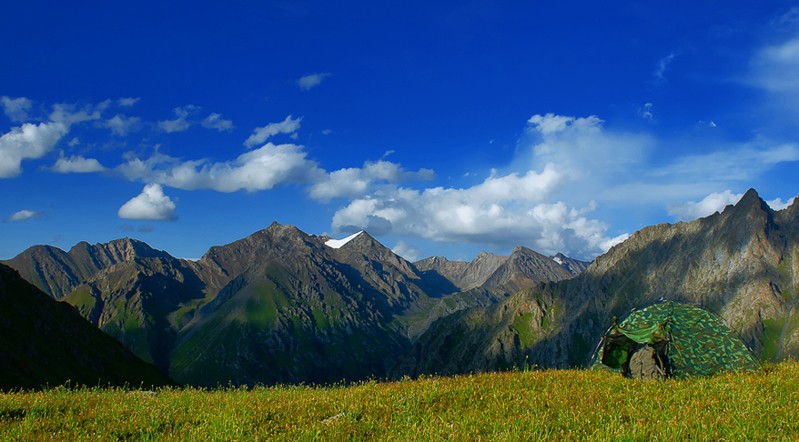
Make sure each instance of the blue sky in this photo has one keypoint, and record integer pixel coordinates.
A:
(443, 128)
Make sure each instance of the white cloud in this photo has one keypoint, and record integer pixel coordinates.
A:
(779, 204)
(121, 125)
(181, 123)
(583, 152)
(715, 202)
(16, 108)
(259, 169)
(356, 182)
(150, 204)
(308, 82)
(33, 141)
(29, 141)
(565, 169)
(77, 164)
(69, 114)
(776, 68)
(541, 201)
(406, 251)
(23, 215)
(215, 121)
(261, 134)
(660, 70)
(740, 163)
(128, 101)
(646, 112)
(471, 215)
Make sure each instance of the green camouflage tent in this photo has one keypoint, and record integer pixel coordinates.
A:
(672, 339)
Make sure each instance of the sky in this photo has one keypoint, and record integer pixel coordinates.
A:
(441, 128)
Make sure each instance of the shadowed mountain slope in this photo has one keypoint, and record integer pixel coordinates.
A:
(46, 342)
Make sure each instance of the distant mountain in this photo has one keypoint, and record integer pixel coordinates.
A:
(463, 275)
(742, 264)
(528, 265)
(45, 342)
(573, 266)
(58, 273)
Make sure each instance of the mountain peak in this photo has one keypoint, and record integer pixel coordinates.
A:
(280, 229)
(750, 198)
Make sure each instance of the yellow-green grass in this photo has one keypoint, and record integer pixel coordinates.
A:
(544, 405)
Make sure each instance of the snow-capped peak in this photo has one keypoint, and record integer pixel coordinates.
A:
(338, 243)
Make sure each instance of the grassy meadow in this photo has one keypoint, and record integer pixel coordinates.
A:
(537, 405)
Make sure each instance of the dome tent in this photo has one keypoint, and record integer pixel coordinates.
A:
(672, 339)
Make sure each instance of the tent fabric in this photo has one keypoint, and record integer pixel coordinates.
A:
(697, 342)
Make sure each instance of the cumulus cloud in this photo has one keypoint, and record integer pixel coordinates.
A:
(715, 202)
(308, 82)
(569, 176)
(779, 204)
(121, 125)
(501, 211)
(77, 164)
(181, 121)
(471, 215)
(150, 204)
(29, 141)
(583, 152)
(259, 169)
(356, 182)
(261, 134)
(540, 200)
(215, 121)
(69, 114)
(23, 215)
(33, 141)
(16, 108)
(128, 101)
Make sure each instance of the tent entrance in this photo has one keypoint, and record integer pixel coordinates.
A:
(648, 362)
(636, 360)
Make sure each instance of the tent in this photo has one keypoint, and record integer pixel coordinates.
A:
(672, 339)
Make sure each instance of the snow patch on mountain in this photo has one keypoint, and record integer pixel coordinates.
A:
(338, 243)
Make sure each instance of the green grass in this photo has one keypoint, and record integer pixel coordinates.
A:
(545, 405)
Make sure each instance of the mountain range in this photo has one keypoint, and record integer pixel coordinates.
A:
(283, 306)
(279, 306)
